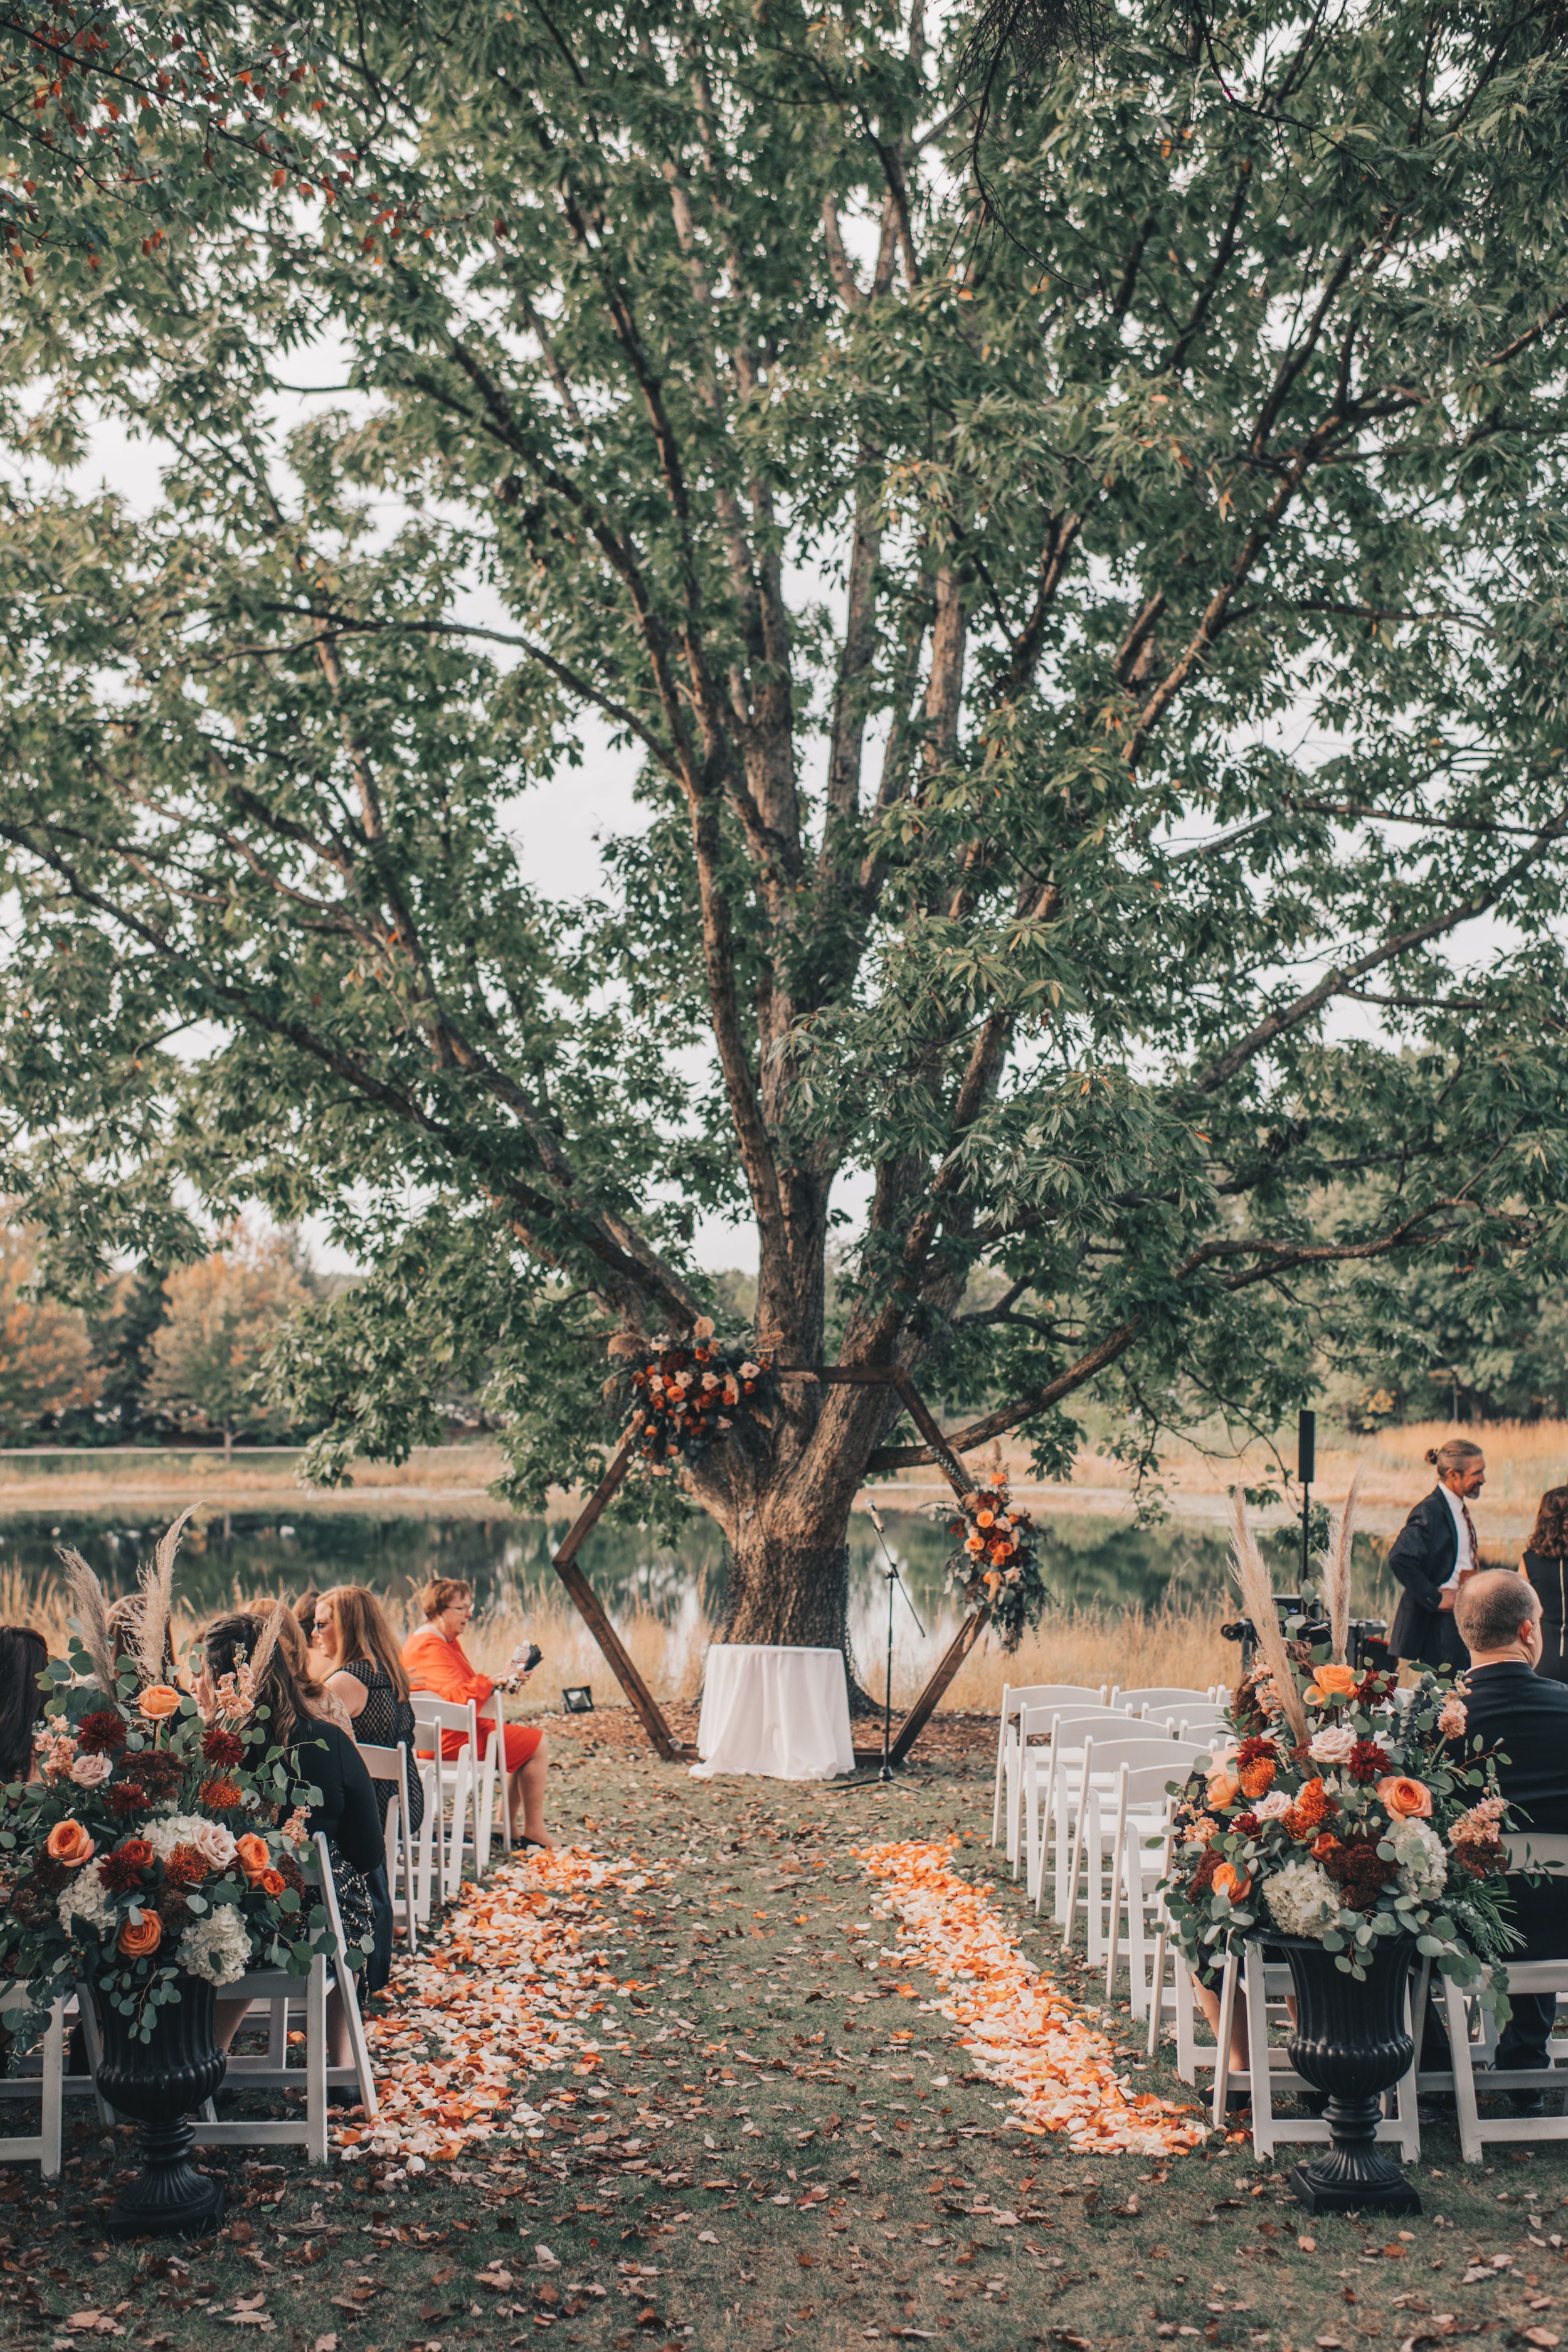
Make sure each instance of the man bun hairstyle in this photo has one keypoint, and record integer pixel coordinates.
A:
(1453, 1455)
(442, 1590)
(1490, 1608)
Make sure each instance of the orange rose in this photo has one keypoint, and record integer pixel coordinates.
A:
(69, 1843)
(1223, 1790)
(135, 1851)
(1228, 1880)
(252, 1855)
(1330, 1683)
(157, 1703)
(137, 1941)
(1406, 1799)
(272, 1882)
(985, 1518)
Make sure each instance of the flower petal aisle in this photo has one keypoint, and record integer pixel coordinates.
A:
(1021, 2030)
(511, 1988)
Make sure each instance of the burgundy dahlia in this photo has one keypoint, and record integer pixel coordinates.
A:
(1368, 1761)
(101, 1734)
(224, 1748)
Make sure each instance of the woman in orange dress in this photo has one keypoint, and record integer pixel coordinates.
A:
(433, 1660)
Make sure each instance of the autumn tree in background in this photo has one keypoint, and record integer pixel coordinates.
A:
(223, 1316)
(46, 1367)
(1081, 574)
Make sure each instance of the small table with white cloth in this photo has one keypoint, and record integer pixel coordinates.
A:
(781, 1712)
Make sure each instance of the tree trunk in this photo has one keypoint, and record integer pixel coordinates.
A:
(789, 1584)
(227, 1446)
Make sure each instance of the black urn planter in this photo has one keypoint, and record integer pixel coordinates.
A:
(157, 2084)
(1351, 2041)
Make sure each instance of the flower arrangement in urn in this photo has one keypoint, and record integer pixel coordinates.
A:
(148, 1845)
(996, 1563)
(1342, 1810)
(688, 1394)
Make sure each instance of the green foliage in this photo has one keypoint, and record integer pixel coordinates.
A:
(1095, 649)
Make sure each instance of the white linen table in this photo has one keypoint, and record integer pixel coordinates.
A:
(780, 1712)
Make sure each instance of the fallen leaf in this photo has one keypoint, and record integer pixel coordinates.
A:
(1542, 2335)
(1308, 2245)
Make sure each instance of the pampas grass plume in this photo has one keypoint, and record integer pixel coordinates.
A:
(93, 1617)
(1257, 1600)
(158, 1601)
(1336, 1570)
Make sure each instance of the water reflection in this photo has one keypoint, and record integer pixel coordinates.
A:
(235, 1555)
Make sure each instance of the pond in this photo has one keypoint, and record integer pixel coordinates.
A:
(227, 1557)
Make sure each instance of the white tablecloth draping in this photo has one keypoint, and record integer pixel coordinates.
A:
(781, 1712)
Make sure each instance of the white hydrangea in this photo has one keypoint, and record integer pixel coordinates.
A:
(212, 1841)
(1423, 1865)
(87, 1900)
(215, 1947)
(1301, 1899)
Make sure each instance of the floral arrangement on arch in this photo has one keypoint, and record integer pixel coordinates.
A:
(996, 1564)
(148, 1848)
(1342, 1808)
(688, 1395)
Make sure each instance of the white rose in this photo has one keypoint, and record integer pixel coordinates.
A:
(1333, 1745)
(1273, 1805)
(92, 1771)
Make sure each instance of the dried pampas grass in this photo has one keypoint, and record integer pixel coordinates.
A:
(1336, 1570)
(158, 1601)
(92, 1616)
(1257, 1600)
(261, 1656)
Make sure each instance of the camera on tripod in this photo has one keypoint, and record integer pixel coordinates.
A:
(1301, 1623)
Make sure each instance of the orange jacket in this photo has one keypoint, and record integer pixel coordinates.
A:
(434, 1664)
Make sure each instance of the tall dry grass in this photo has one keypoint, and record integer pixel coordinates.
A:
(1079, 1643)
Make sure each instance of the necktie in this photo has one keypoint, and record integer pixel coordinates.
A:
(1470, 1531)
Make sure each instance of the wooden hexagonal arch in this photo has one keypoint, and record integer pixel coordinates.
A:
(649, 1712)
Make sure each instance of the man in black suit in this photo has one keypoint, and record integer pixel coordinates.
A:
(1433, 1555)
(1524, 1715)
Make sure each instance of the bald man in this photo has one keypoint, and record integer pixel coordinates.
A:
(1524, 1715)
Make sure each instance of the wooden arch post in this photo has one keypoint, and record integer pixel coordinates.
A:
(649, 1712)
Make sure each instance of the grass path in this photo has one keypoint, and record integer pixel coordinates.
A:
(779, 2138)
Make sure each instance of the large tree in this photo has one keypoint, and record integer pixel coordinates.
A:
(1080, 567)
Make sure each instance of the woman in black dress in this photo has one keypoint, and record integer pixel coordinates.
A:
(364, 1671)
(1546, 1565)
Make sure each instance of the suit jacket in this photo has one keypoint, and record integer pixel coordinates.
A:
(1421, 1556)
(1525, 1716)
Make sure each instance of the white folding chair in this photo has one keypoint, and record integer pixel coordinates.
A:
(42, 2147)
(272, 1992)
(1542, 1851)
(389, 1766)
(1050, 1738)
(1160, 1699)
(1010, 1745)
(1264, 1988)
(492, 1782)
(452, 1787)
(1093, 1802)
(1140, 1855)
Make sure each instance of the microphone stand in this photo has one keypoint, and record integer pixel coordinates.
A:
(893, 1578)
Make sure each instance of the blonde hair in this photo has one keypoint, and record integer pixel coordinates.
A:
(1452, 1455)
(442, 1590)
(363, 1633)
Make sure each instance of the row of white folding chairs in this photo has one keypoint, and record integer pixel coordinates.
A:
(1190, 1708)
(1111, 1844)
(467, 1795)
(1050, 1752)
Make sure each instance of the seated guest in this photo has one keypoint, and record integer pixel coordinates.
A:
(24, 1654)
(368, 1680)
(1546, 1565)
(293, 1643)
(1523, 1715)
(323, 1754)
(434, 1660)
(1433, 1554)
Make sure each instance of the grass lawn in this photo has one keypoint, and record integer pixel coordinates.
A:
(763, 2162)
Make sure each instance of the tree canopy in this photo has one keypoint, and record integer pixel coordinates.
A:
(1081, 576)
